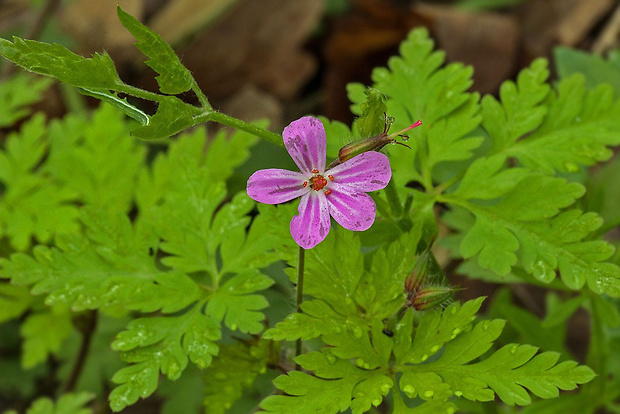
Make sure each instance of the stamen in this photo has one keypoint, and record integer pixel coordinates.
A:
(331, 177)
(305, 184)
(400, 133)
(315, 171)
(324, 182)
(328, 192)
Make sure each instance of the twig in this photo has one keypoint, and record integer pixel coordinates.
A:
(87, 325)
(609, 36)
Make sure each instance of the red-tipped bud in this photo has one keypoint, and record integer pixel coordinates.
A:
(418, 274)
(431, 296)
(372, 144)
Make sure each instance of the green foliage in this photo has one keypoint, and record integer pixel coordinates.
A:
(66, 404)
(149, 250)
(547, 130)
(173, 77)
(16, 94)
(43, 334)
(544, 130)
(434, 353)
(372, 117)
(594, 68)
(111, 264)
(235, 369)
(97, 72)
(417, 87)
(34, 204)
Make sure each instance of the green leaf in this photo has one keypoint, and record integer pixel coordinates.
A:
(97, 72)
(172, 116)
(529, 327)
(16, 94)
(173, 77)
(96, 158)
(552, 130)
(434, 330)
(161, 344)
(235, 369)
(336, 386)
(14, 301)
(522, 220)
(66, 404)
(111, 268)
(338, 135)
(418, 87)
(44, 334)
(119, 103)
(33, 204)
(559, 312)
(371, 121)
(521, 109)
(595, 69)
(508, 372)
(236, 306)
(579, 128)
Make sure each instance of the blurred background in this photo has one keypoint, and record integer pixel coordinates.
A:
(280, 59)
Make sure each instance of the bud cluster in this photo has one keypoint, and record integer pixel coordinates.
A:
(419, 295)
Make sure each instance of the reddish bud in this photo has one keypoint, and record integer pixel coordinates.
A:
(372, 144)
(431, 296)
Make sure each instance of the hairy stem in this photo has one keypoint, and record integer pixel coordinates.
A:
(300, 293)
(201, 96)
(393, 199)
(245, 126)
(138, 93)
(86, 326)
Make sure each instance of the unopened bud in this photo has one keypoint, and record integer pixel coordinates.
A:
(373, 143)
(431, 296)
(418, 274)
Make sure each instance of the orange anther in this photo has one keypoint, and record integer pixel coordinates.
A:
(328, 192)
(315, 171)
(305, 184)
(331, 177)
(324, 182)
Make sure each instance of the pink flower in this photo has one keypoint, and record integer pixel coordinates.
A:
(339, 191)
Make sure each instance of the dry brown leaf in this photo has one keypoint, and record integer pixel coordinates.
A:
(95, 26)
(361, 40)
(576, 24)
(487, 41)
(181, 19)
(257, 42)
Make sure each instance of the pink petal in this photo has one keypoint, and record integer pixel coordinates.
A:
(305, 141)
(368, 171)
(311, 226)
(274, 186)
(352, 209)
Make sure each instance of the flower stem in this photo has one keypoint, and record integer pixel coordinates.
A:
(300, 293)
(244, 126)
(86, 325)
(393, 199)
(201, 96)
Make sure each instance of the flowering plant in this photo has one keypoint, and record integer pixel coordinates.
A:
(165, 276)
(339, 191)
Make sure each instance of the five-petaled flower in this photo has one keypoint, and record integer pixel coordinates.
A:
(339, 191)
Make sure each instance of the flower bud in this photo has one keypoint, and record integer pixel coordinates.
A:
(431, 296)
(371, 144)
(418, 274)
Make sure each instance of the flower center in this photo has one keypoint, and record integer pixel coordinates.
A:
(317, 182)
